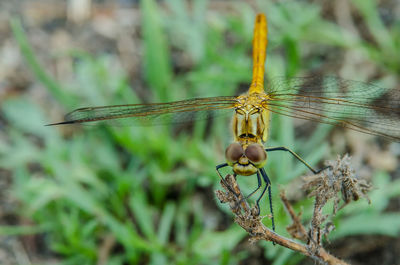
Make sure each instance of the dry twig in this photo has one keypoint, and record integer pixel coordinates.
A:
(338, 178)
(296, 230)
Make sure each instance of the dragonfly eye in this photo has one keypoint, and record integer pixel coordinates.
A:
(234, 152)
(256, 153)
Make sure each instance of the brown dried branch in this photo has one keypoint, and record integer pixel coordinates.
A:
(105, 249)
(248, 219)
(296, 230)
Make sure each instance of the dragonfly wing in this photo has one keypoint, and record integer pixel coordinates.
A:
(152, 114)
(351, 104)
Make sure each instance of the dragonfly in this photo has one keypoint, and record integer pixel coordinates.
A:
(359, 106)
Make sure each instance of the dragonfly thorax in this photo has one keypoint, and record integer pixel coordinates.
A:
(250, 130)
(251, 119)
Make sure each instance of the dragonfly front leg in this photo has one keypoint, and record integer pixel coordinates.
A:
(254, 191)
(258, 187)
(218, 167)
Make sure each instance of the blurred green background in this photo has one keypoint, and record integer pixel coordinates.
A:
(145, 195)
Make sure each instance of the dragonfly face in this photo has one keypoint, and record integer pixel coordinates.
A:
(250, 127)
(245, 159)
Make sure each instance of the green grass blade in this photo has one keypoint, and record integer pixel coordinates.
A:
(166, 223)
(11, 230)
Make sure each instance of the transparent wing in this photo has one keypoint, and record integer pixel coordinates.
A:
(356, 105)
(152, 114)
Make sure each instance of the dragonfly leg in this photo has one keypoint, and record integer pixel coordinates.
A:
(254, 191)
(282, 148)
(218, 167)
(322, 169)
(267, 186)
(258, 187)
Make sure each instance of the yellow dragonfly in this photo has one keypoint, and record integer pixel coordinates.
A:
(359, 106)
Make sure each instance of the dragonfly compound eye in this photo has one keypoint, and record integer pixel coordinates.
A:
(256, 154)
(234, 152)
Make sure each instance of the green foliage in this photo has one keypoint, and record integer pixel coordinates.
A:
(141, 187)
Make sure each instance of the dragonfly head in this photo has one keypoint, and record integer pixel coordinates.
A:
(245, 159)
